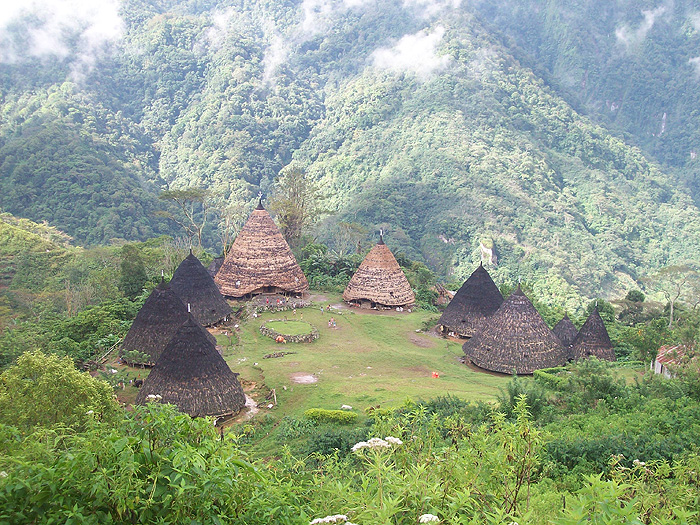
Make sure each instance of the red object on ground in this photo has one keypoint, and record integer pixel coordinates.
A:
(436, 375)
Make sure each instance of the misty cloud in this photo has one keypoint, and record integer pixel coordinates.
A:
(695, 62)
(429, 8)
(695, 21)
(633, 37)
(415, 53)
(75, 30)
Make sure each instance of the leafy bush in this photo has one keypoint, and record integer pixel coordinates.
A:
(322, 415)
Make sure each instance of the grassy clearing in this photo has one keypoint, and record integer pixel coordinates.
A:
(370, 359)
(290, 327)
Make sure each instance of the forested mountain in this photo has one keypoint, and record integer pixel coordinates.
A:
(560, 135)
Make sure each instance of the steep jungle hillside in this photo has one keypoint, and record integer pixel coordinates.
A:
(458, 128)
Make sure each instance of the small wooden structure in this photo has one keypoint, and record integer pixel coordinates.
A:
(191, 374)
(379, 281)
(668, 359)
(515, 339)
(260, 261)
(193, 284)
(155, 324)
(477, 299)
(592, 340)
(566, 331)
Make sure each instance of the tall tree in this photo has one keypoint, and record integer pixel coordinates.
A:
(297, 202)
(675, 283)
(193, 207)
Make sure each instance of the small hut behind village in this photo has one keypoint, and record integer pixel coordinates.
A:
(592, 340)
(191, 374)
(515, 339)
(379, 281)
(477, 299)
(193, 284)
(260, 261)
(669, 358)
(155, 324)
(566, 331)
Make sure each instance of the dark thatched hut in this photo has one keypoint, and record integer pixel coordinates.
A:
(477, 299)
(592, 340)
(565, 331)
(191, 374)
(515, 339)
(260, 261)
(379, 281)
(155, 324)
(193, 284)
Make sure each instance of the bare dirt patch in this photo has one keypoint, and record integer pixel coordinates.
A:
(421, 342)
(303, 378)
(420, 370)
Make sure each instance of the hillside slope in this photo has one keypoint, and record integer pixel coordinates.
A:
(433, 121)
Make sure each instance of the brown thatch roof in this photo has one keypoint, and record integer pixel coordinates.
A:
(593, 340)
(565, 330)
(515, 338)
(259, 261)
(380, 280)
(192, 375)
(477, 299)
(214, 266)
(193, 284)
(156, 323)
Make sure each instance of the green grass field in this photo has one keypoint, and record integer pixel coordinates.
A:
(290, 327)
(371, 358)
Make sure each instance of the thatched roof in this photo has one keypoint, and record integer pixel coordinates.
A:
(478, 298)
(593, 340)
(380, 280)
(192, 375)
(565, 330)
(214, 266)
(515, 338)
(156, 323)
(259, 261)
(193, 284)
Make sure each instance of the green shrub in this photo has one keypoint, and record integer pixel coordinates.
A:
(322, 415)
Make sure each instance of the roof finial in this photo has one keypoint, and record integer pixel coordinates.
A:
(260, 204)
(162, 276)
(381, 235)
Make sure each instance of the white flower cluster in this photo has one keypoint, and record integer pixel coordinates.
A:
(638, 463)
(336, 518)
(377, 443)
(428, 518)
(154, 397)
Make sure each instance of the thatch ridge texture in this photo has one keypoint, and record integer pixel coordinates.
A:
(593, 340)
(156, 323)
(566, 331)
(380, 280)
(477, 299)
(515, 339)
(193, 284)
(191, 374)
(260, 259)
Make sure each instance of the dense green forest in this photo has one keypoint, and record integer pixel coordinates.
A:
(561, 136)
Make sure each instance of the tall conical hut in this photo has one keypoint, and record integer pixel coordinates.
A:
(379, 281)
(193, 284)
(477, 299)
(515, 339)
(154, 326)
(191, 374)
(593, 340)
(260, 261)
(566, 331)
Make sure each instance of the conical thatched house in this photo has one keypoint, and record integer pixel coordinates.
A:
(192, 375)
(379, 281)
(155, 324)
(565, 331)
(593, 340)
(260, 261)
(515, 339)
(477, 299)
(193, 284)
